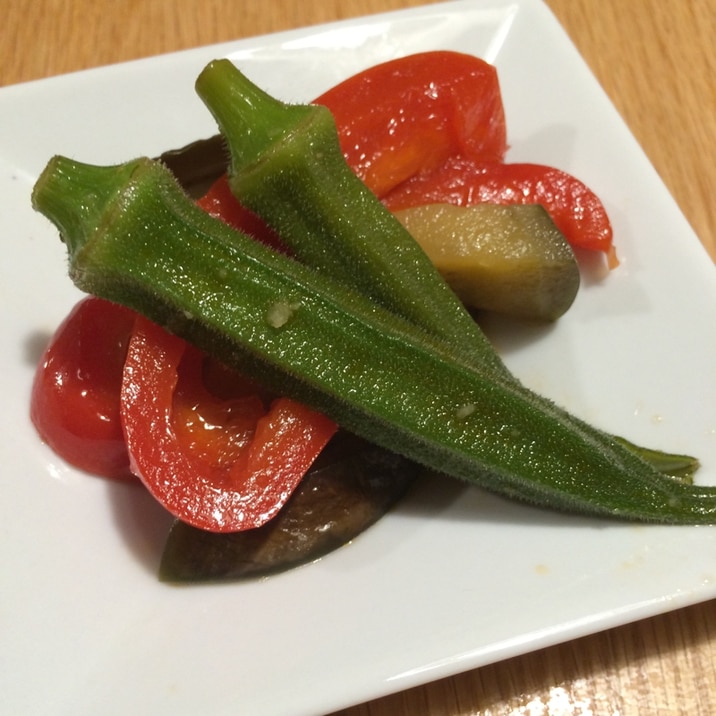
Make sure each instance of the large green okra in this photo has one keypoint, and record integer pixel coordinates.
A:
(134, 237)
(285, 163)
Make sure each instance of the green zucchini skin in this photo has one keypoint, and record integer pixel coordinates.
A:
(133, 236)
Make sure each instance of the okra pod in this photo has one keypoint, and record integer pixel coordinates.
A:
(133, 236)
(286, 164)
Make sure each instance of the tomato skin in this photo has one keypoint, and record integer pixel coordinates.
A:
(409, 115)
(243, 468)
(575, 209)
(74, 403)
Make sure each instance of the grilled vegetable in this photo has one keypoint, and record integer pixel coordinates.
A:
(285, 164)
(508, 259)
(351, 486)
(204, 162)
(133, 236)
(574, 207)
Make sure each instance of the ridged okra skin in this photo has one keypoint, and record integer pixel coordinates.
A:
(137, 239)
(286, 165)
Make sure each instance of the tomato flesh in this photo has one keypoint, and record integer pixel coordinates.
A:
(214, 430)
(408, 115)
(221, 464)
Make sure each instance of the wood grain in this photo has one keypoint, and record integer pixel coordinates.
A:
(657, 62)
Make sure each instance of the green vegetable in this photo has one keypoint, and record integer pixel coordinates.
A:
(285, 163)
(324, 212)
(200, 163)
(679, 467)
(133, 236)
(509, 259)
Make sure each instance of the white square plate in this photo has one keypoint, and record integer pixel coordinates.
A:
(454, 578)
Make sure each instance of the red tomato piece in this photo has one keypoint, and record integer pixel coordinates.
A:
(408, 115)
(75, 394)
(220, 203)
(219, 464)
(574, 208)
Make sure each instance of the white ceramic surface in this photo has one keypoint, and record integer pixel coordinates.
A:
(454, 578)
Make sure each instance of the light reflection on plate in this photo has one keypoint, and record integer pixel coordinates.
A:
(454, 578)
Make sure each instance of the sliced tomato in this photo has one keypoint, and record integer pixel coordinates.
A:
(221, 464)
(575, 209)
(75, 393)
(409, 115)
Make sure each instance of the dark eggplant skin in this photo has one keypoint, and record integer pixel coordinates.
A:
(351, 486)
(198, 165)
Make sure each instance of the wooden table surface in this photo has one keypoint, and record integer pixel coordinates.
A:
(657, 62)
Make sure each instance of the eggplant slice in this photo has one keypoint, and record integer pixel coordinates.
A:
(350, 486)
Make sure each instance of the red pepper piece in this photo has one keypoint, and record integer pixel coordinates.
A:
(409, 115)
(574, 208)
(221, 465)
(75, 394)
